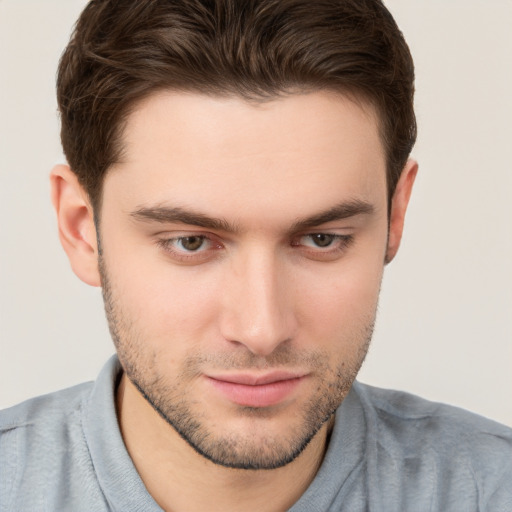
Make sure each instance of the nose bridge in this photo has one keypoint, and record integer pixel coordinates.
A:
(258, 310)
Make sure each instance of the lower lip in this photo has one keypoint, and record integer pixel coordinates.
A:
(263, 395)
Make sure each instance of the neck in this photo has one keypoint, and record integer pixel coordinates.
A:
(180, 479)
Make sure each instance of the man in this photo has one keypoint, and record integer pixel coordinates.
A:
(238, 179)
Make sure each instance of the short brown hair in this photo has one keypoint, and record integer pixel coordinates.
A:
(121, 51)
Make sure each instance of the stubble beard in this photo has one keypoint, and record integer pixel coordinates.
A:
(233, 450)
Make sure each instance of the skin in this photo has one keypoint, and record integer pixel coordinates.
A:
(286, 277)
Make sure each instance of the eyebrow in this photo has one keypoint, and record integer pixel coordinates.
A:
(340, 211)
(167, 214)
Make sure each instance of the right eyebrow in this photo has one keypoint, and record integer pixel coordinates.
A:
(166, 214)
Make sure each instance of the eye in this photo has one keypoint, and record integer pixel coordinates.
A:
(324, 241)
(190, 243)
(321, 240)
(186, 244)
(190, 248)
(323, 246)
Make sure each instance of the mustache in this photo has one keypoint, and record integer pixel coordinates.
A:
(244, 359)
(285, 355)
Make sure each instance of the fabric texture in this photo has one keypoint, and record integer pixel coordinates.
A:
(389, 451)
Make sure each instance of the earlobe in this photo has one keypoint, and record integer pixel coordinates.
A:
(75, 218)
(399, 207)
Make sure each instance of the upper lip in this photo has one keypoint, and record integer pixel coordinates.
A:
(257, 380)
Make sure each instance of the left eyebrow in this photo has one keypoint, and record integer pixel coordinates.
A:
(341, 211)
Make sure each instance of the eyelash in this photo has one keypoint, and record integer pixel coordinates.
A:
(341, 242)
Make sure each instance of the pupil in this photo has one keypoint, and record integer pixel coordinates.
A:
(192, 243)
(322, 240)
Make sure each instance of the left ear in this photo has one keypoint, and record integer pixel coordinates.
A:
(399, 206)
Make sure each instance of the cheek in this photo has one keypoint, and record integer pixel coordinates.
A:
(340, 304)
(173, 301)
(166, 306)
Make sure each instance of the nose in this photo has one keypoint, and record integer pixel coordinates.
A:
(257, 304)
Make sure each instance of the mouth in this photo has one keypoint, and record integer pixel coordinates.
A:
(257, 390)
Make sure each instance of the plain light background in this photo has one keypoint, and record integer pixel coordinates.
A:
(444, 329)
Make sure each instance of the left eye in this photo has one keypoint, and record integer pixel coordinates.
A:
(190, 243)
(324, 241)
(321, 240)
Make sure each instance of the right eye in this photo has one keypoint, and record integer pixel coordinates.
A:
(190, 248)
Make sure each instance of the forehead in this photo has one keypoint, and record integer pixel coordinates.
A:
(297, 152)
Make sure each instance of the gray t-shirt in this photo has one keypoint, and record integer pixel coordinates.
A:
(388, 452)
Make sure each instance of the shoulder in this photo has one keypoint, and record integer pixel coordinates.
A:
(458, 446)
(400, 408)
(37, 437)
(42, 426)
(43, 409)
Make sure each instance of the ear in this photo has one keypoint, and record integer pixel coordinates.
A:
(399, 206)
(75, 217)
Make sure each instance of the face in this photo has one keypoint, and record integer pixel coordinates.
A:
(242, 255)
